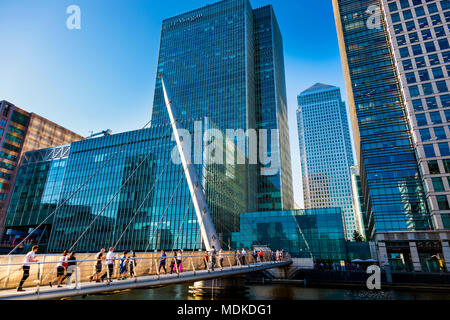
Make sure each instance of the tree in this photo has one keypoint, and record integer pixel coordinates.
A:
(358, 236)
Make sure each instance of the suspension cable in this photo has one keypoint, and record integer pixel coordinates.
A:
(141, 205)
(78, 189)
(115, 195)
(164, 213)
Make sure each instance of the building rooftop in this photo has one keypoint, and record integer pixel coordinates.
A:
(318, 87)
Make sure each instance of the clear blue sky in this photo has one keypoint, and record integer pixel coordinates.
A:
(103, 75)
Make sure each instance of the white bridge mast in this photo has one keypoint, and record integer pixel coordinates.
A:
(207, 228)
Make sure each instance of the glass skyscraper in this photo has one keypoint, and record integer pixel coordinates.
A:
(225, 61)
(326, 152)
(419, 35)
(391, 182)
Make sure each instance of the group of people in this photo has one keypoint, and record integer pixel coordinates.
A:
(67, 263)
(258, 256)
(127, 265)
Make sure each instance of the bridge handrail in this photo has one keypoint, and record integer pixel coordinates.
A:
(168, 257)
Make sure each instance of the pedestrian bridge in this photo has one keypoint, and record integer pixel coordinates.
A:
(194, 265)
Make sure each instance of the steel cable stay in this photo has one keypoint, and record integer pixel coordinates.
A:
(142, 204)
(115, 195)
(79, 188)
(248, 238)
(164, 213)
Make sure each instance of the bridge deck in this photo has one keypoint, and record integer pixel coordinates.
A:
(84, 288)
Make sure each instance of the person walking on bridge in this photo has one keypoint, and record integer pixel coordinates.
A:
(162, 261)
(260, 256)
(221, 259)
(98, 266)
(71, 268)
(255, 255)
(132, 264)
(244, 254)
(60, 269)
(213, 252)
(29, 258)
(110, 258)
(179, 264)
(123, 267)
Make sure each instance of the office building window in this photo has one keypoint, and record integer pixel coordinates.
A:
(431, 103)
(424, 75)
(442, 202)
(421, 119)
(420, 62)
(435, 117)
(417, 105)
(441, 86)
(434, 59)
(417, 49)
(433, 167)
(430, 47)
(445, 101)
(425, 135)
(427, 88)
(414, 91)
(437, 73)
(438, 185)
(429, 151)
(440, 134)
(407, 64)
(444, 149)
(410, 78)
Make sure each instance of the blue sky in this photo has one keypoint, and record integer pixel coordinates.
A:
(103, 75)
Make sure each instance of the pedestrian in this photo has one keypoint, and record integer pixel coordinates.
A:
(238, 257)
(260, 256)
(123, 266)
(255, 255)
(110, 258)
(132, 264)
(243, 254)
(273, 256)
(162, 261)
(98, 266)
(278, 255)
(221, 255)
(206, 260)
(71, 268)
(29, 258)
(172, 265)
(60, 269)
(179, 265)
(212, 252)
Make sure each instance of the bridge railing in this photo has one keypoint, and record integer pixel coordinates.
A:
(45, 271)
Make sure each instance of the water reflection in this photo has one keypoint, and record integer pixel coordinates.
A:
(238, 290)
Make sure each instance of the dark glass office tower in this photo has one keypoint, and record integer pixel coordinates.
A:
(224, 61)
(393, 192)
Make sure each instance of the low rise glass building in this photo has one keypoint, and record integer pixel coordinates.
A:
(131, 193)
(306, 233)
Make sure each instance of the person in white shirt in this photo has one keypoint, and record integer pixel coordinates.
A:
(244, 254)
(60, 268)
(29, 258)
(110, 257)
